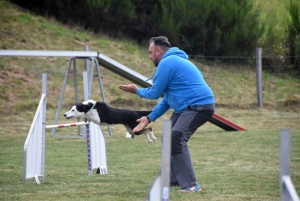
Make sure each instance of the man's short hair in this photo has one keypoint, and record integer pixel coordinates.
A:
(160, 41)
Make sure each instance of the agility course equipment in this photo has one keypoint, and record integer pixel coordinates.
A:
(87, 88)
(66, 125)
(86, 55)
(96, 148)
(161, 185)
(117, 68)
(287, 189)
(225, 123)
(34, 147)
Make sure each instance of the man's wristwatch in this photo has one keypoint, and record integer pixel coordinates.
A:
(149, 120)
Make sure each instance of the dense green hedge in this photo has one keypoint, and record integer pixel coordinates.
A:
(206, 27)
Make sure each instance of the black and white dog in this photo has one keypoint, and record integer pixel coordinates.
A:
(100, 113)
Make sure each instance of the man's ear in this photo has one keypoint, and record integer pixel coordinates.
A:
(158, 50)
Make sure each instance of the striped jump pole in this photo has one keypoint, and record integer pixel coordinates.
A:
(90, 172)
(96, 148)
(66, 125)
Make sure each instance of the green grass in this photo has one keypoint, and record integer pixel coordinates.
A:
(229, 165)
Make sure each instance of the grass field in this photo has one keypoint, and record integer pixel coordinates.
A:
(228, 165)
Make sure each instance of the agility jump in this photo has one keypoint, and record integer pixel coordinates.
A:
(66, 125)
(94, 146)
(34, 147)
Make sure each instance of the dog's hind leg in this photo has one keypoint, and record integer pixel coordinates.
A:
(145, 131)
(152, 135)
(148, 138)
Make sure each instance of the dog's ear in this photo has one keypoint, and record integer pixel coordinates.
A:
(86, 108)
(91, 104)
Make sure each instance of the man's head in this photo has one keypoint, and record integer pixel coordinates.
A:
(157, 48)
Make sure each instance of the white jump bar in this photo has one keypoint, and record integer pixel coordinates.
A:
(66, 125)
(103, 60)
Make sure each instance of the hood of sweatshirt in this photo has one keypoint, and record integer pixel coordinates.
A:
(175, 51)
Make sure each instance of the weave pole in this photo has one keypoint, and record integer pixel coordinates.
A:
(160, 188)
(287, 189)
(66, 125)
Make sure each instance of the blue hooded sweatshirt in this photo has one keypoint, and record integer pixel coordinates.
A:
(181, 83)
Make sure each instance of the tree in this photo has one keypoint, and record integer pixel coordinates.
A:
(292, 31)
(215, 27)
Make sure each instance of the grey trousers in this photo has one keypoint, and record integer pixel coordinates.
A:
(183, 127)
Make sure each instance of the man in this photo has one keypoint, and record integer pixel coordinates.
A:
(186, 92)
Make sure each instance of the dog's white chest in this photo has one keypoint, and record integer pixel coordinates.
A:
(93, 116)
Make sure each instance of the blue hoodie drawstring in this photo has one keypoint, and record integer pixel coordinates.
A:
(150, 77)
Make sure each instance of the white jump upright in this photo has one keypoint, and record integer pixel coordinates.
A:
(95, 141)
(34, 147)
(96, 150)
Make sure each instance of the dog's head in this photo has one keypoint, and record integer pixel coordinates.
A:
(80, 109)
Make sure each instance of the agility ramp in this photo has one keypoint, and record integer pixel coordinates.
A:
(225, 123)
(117, 68)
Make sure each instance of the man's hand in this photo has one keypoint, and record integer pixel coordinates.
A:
(131, 88)
(143, 123)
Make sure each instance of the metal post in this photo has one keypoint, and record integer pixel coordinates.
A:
(76, 92)
(62, 95)
(89, 68)
(259, 76)
(101, 87)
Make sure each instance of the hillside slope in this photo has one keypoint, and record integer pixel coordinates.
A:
(20, 77)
